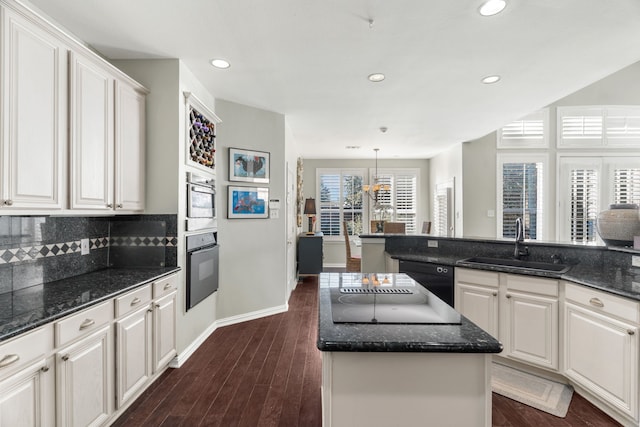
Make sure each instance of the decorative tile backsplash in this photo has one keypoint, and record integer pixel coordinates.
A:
(35, 250)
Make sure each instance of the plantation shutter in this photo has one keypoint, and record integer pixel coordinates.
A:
(521, 197)
(441, 206)
(580, 126)
(622, 125)
(406, 195)
(626, 185)
(330, 204)
(528, 132)
(584, 204)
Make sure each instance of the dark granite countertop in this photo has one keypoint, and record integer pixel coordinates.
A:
(615, 280)
(28, 308)
(463, 338)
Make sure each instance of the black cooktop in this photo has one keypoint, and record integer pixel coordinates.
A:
(388, 299)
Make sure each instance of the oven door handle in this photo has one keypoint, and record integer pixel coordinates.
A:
(202, 189)
(205, 249)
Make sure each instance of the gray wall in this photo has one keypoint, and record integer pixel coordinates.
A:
(479, 156)
(253, 251)
(334, 251)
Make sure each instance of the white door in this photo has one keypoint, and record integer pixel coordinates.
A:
(292, 227)
(25, 397)
(133, 350)
(85, 381)
(92, 123)
(34, 105)
(130, 147)
(480, 305)
(531, 328)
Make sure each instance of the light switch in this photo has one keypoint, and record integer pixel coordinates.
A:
(84, 246)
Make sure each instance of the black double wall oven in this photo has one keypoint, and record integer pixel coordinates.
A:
(202, 266)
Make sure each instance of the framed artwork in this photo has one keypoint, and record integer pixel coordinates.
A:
(248, 202)
(248, 166)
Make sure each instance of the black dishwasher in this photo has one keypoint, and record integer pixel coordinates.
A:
(437, 278)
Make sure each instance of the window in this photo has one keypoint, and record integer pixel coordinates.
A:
(443, 210)
(531, 131)
(587, 185)
(521, 194)
(340, 195)
(401, 201)
(597, 126)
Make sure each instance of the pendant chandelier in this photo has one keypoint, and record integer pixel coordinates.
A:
(374, 190)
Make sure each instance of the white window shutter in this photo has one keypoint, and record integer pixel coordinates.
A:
(626, 185)
(584, 204)
(531, 131)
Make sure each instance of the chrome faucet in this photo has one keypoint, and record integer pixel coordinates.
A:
(519, 251)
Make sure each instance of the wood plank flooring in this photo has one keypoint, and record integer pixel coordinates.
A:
(267, 372)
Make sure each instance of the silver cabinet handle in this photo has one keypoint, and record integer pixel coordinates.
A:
(494, 293)
(65, 357)
(8, 202)
(9, 359)
(119, 206)
(167, 286)
(508, 295)
(136, 301)
(631, 331)
(45, 368)
(157, 305)
(596, 302)
(87, 323)
(109, 205)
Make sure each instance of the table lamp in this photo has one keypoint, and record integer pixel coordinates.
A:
(310, 211)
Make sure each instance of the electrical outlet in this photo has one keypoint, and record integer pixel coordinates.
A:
(432, 243)
(635, 260)
(84, 246)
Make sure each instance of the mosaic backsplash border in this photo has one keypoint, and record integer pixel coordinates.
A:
(27, 253)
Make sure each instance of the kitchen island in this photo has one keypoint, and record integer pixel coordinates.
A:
(386, 369)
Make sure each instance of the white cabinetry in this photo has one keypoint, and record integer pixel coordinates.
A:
(33, 124)
(529, 313)
(107, 138)
(84, 368)
(26, 380)
(601, 346)
(133, 343)
(521, 311)
(477, 297)
(164, 321)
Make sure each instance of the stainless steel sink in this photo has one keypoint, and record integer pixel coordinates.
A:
(516, 264)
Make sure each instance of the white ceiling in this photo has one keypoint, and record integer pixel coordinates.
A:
(309, 59)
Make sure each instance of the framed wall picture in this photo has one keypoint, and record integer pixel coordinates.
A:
(248, 202)
(248, 166)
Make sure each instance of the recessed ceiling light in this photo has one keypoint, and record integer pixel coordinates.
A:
(376, 77)
(220, 63)
(490, 79)
(492, 7)
(352, 147)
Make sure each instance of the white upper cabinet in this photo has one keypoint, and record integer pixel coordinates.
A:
(34, 115)
(129, 147)
(107, 138)
(92, 129)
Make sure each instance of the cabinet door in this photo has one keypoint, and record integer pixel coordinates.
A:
(133, 354)
(92, 122)
(130, 147)
(34, 105)
(479, 304)
(601, 354)
(531, 328)
(85, 380)
(26, 397)
(164, 331)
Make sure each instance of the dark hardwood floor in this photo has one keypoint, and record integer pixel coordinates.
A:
(267, 372)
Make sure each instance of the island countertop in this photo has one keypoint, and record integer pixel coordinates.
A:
(355, 337)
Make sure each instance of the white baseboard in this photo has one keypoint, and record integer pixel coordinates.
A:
(181, 358)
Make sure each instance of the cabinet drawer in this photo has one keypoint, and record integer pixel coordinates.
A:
(165, 285)
(78, 324)
(604, 302)
(25, 348)
(477, 277)
(132, 300)
(532, 284)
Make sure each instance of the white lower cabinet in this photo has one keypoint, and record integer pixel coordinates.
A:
(84, 373)
(133, 358)
(529, 312)
(480, 305)
(164, 331)
(601, 350)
